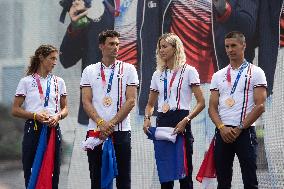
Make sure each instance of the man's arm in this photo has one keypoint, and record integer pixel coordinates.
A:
(259, 96)
(131, 94)
(226, 133)
(87, 95)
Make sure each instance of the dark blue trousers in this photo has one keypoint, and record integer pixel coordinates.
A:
(245, 148)
(171, 119)
(29, 146)
(122, 147)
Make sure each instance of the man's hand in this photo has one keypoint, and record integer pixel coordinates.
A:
(102, 136)
(227, 134)
(77, 11)
(237, 131)
(106, 128)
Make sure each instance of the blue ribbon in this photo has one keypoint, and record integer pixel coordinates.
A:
(243, 66)
(42, 144)
(165, 85)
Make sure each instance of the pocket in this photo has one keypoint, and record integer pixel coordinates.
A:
(29, 134)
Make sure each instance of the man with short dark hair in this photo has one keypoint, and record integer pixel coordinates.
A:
(109, 90)
(238, 94)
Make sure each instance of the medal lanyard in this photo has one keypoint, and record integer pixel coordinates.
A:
(166, 84)
(46, 98)
(243, 66)
(56, 93)
(104, 78)
(117, 7)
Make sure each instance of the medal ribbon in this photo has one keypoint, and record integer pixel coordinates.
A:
(104, 78)
(56, 93)
(166, 84)
(117, 8)
(243, 66)
(46, 98)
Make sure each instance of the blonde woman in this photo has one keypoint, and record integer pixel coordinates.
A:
(172, 86)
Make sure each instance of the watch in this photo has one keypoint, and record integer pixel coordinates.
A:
(187, 119)
(147, 117)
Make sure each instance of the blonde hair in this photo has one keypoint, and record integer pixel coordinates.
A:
(179, 55)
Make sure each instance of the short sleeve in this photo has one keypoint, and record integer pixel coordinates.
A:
(21, 88)
(154, 85)
(193, 77)
(259, 79)
(214, 83)
(132, 79)
(85, 82)
(62, 87)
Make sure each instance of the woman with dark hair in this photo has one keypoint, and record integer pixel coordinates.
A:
(44, 99)
(172, 86)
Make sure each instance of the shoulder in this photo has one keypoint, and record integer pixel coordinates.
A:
(59, 79)
(92, 66)
(256, 69)
(26, 79)
(128, 65)
(157, 73)
(190, 69)
(221, 72)
(128, 68)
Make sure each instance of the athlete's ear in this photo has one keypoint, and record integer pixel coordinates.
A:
(245, 45)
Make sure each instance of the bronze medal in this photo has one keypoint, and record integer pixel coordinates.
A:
(107, 101)
(165, 107)
(230, 102)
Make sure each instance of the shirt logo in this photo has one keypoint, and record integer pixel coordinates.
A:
(151, 4)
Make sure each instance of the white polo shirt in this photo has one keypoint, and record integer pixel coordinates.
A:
(125, 75)
(181, 93)
(28, 88)
(243, 95)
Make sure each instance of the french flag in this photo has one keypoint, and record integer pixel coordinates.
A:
(207, 172)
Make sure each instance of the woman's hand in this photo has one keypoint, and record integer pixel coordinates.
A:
(147, 124)
(53, 120)
(180, 127)
(42, 117)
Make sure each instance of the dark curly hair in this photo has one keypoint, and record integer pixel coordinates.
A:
(43, 50)
(107, 33)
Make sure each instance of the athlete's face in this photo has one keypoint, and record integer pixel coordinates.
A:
(235, 48)
(49, 62)
(166, 50)
(110, 47)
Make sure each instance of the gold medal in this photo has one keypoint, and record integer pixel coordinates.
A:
(107, 101)
(230, 102)
(165, 107)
